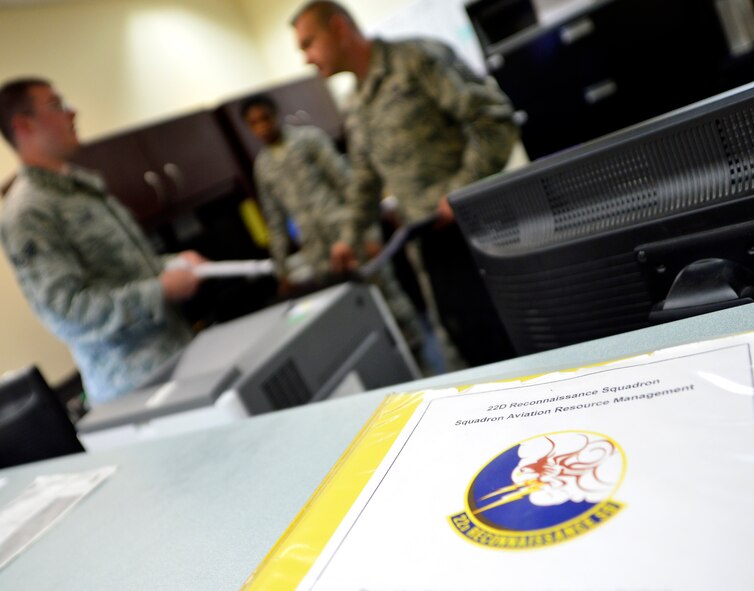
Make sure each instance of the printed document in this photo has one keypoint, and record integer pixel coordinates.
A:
(41, 505)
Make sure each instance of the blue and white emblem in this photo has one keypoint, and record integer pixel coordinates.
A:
(543, 491)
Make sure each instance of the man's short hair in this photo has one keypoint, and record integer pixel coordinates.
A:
(324, 10)
(15, 99)
(259, 100)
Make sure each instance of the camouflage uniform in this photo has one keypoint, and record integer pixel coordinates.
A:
(91, 276)
(306, 178)
(303, 177)
(421, 125)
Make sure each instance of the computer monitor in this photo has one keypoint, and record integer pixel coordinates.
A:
(651, 223)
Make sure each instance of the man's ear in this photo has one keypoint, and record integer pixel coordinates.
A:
(339, 25)
(20, 124)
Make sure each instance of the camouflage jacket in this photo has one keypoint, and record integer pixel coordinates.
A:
(90, 275)
(420, 125)
(303, 177)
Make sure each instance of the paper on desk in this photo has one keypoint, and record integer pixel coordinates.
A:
(248, 268)
(636, 475)
(43, 503)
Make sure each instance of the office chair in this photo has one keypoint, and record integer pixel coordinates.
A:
(33, 422)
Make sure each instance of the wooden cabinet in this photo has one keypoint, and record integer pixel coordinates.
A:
(192, 157)
(168, 168)
(613, 64)
(128, 172)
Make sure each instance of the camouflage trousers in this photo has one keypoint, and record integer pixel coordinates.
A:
(402, 309)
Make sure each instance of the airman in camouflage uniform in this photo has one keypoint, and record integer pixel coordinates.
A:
(420, 125)
(82, 262)
(300, 174)
(91, 277)
(304, 177)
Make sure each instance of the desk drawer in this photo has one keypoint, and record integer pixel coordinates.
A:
(568, 55)
(573, 117)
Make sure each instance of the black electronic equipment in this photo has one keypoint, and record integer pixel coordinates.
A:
(649, 224)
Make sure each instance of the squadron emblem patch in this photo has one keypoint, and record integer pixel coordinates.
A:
(543, 491)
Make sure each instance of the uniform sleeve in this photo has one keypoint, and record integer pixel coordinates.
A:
(57, 288)
(275, 216)
(483, 110)
(333, 164)
(364, 191)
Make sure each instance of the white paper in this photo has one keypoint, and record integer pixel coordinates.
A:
(41, 505)
(248, 268)
(652, 457)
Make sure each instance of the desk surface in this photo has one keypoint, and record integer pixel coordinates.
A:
(199, 511)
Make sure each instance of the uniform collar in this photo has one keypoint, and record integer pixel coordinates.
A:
(75, 180)
(378, 68)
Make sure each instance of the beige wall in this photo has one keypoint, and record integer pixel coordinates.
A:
(128, 62)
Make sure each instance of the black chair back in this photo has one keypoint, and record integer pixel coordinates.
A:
(33, 422)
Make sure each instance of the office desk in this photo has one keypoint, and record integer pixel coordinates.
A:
(199, 511)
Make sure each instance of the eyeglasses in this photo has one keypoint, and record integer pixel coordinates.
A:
(56, 105)
(60, 106)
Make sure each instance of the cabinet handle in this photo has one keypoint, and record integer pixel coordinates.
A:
(152, 179)
(175, 174)
(574, 31)
(600, 91)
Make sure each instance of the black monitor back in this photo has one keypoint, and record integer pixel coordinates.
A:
(587, 243)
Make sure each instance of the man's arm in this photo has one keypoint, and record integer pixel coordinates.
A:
(478, 105)
(332, 163)
(337, 171)
(56, 286)
(362, 201)
(275, 217)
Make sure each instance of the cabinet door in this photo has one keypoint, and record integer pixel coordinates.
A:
(665, 54)
(192, 157)
(569, 55)
(129, 175)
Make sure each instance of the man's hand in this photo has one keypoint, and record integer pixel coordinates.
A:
(285, 287)
(178, 285)
(445, 212)
(372, 248)
(342, 258)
